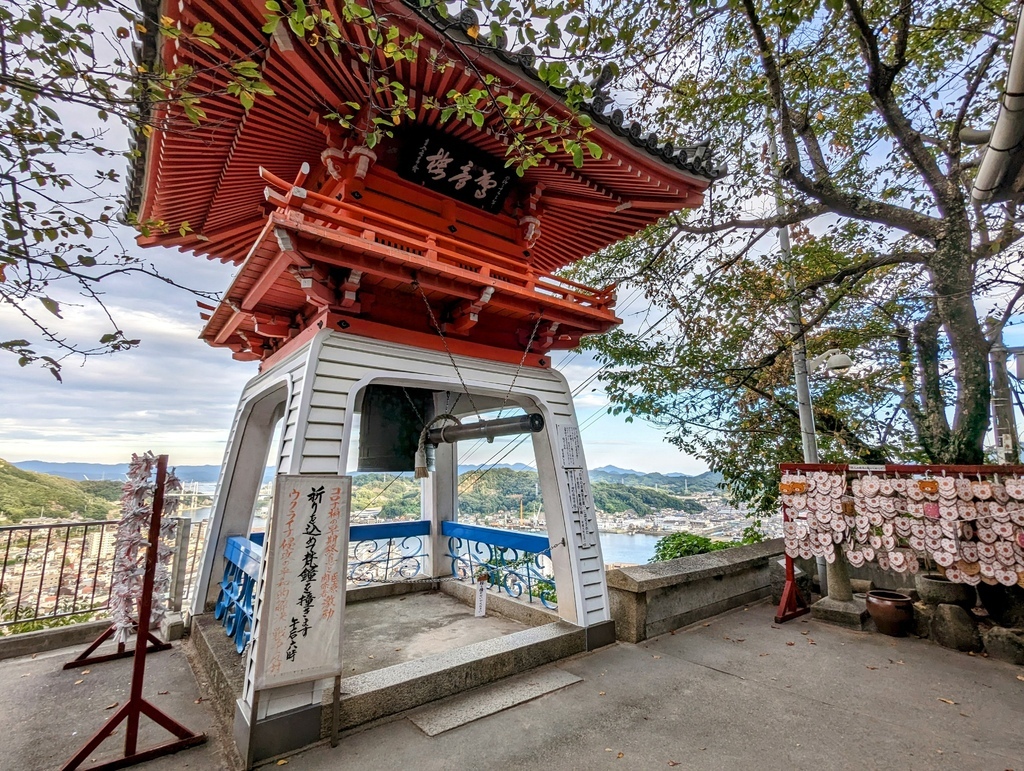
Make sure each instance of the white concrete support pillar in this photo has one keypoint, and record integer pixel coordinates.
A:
(245, 459)
(440, 504)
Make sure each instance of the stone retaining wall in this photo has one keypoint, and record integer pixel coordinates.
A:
(648, 600)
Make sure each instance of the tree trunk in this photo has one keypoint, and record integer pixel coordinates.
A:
(952, 278)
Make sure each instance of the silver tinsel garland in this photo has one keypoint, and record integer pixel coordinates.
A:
(130, 546)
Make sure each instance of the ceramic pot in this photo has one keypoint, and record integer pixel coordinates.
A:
(935, 589)
(892, 612)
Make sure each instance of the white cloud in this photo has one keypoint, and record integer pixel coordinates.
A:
(176, 395)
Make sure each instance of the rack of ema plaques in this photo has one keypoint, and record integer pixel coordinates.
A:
(316, 389)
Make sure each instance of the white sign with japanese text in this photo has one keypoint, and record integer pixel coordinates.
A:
(301, 615)
(580, 502)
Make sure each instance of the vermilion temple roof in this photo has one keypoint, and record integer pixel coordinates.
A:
(209, 176)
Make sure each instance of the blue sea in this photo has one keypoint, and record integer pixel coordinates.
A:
(633, 549)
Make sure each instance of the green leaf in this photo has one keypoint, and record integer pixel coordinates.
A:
(203, 29)
(51, 305)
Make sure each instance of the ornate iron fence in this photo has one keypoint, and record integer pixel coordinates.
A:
(516, 563)
(392, 551)
(60, 573)
(234, 603)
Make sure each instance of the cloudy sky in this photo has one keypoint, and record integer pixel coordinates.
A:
(176, 395)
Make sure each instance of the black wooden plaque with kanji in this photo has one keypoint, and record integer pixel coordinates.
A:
(455, 168)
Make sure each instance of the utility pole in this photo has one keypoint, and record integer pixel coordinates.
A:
(808, 437)
(1004, 426)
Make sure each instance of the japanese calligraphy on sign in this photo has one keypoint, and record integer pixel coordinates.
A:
(300, 625)
(452, 167)
(580, 500)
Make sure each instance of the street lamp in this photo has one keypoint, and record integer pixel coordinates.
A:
(833, 578)
(833, 360)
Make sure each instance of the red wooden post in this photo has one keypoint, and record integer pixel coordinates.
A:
(793, 604)
(136, 704)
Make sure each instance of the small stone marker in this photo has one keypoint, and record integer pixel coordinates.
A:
(481, 596)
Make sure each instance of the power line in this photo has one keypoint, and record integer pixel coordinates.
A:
(568, 356)
(575, 392)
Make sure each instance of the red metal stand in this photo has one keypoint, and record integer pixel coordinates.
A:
(792, 605)
(136, 706)
(155, 645)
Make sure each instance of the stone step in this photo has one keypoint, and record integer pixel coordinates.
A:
(412, 684)
(464, 708)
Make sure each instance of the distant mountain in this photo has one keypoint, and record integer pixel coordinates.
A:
(509, 466)
(76, 471)
(26, 494)
(673, 482)
(617, 470)
(117, 471)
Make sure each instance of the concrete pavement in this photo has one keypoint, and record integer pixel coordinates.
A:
(47, 713)
(738, 692)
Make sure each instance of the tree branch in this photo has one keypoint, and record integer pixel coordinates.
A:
(881, 77)
(862, 268)
(823, 190)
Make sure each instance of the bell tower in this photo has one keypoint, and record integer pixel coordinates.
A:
(398, 282)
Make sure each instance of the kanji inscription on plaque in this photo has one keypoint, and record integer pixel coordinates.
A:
(580, 501)
(300, 625)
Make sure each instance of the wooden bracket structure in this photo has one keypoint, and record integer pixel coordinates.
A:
(136, 706)
(793, 604)
(543, 338)
(155, 645)
(466, 314)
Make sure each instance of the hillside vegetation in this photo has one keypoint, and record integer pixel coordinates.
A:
(708, 482)
(500, 489)
(26, 494)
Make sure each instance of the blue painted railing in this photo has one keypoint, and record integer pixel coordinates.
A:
(241, 571)
(392, 551)
(516, 563)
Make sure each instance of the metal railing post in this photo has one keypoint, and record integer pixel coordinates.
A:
(181, 541)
